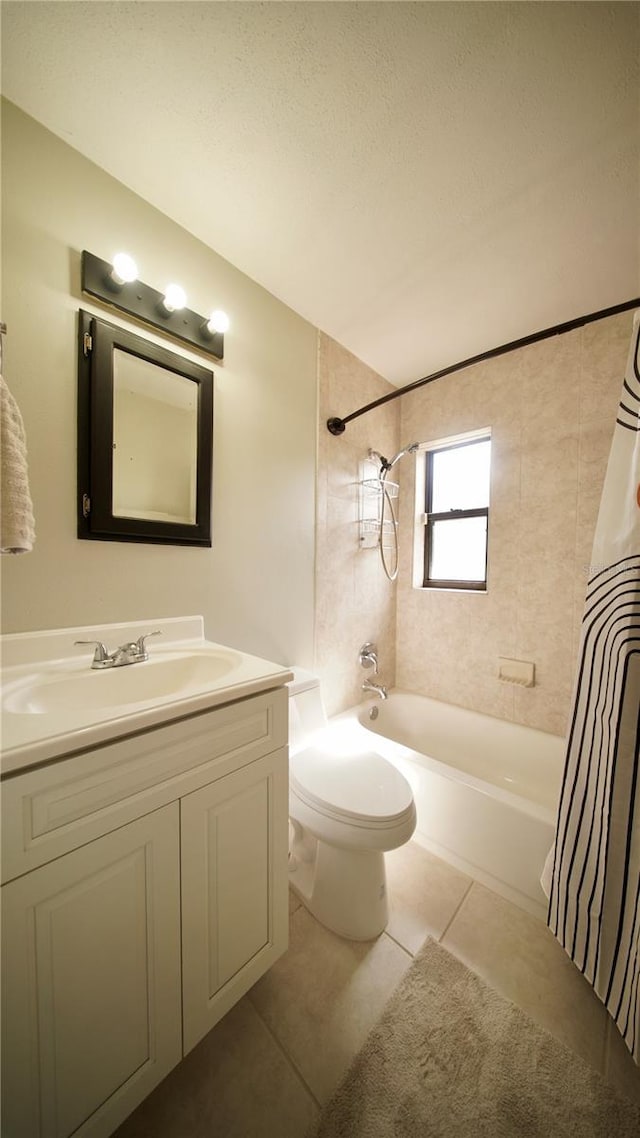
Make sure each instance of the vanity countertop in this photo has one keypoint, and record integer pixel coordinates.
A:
(54, 704)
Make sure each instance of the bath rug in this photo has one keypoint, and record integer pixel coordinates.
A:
(451, 1058)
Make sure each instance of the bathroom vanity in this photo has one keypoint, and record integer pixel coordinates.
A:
(144, 866)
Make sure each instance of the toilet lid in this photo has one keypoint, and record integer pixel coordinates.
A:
(361, 787)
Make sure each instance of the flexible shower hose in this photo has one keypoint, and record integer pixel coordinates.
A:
(387, 502)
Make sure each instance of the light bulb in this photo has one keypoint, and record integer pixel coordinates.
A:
(218, 322)
(174, 297)
(125, 269)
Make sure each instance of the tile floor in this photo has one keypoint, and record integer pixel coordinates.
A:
(266, 1069)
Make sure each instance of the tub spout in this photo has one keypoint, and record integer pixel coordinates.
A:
(379, 689)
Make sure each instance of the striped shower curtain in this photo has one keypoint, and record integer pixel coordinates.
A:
(594, 906)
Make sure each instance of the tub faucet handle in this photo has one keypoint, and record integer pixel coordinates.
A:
(369, 656)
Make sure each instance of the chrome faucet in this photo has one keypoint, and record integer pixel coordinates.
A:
(133, 652)
(369, 659)
(379, 689)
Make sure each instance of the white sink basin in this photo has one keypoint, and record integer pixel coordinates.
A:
(53, 702)
(79, 688)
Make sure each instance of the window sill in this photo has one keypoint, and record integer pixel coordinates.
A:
(450, 589)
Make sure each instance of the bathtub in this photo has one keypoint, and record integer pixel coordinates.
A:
(486, 790)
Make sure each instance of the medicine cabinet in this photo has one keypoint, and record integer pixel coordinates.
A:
(145, 439)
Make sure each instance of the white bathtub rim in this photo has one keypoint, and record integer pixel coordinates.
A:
(390, 749)
(549, 809)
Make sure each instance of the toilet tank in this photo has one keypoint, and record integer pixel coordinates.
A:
(306, 710)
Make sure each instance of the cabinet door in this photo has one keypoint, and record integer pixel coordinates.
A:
(91, 982)
(234, 888)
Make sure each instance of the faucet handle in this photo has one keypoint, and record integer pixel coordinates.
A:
(369, 656)
(140, 645)
(100, 655)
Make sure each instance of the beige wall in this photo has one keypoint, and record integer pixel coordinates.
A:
(551, 408)
(354, 600)
(255, 586)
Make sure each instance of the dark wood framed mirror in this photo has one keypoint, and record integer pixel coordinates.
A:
(145, 440)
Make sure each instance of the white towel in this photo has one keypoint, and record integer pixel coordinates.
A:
(17, 528)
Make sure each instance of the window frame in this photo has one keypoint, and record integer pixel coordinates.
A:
(430, 518)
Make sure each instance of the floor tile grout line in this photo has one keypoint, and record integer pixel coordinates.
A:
(398, 943)
(456, 911)
(286, 1054)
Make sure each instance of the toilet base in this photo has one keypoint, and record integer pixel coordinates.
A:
(346, 890)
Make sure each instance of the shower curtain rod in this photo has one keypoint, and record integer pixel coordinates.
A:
(336, 426)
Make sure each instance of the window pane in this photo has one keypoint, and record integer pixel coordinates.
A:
(458, 550)
(461, 477)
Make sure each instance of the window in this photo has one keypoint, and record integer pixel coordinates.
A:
(456, 520)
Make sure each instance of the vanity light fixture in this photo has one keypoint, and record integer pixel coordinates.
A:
(175, 298)
(124, 269)
(217, 322)
(117, 286)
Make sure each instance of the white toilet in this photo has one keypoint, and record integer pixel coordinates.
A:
(345, 810)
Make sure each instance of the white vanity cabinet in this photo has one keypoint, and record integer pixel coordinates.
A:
(233, 833)
(91, 992)
(144, 891)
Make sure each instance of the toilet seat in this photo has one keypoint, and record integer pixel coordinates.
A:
(357, 790)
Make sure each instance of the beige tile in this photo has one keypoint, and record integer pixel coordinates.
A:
(324, 995)
(342, 530)
(550, 373)
(504, 562)
(594, 447)
(354, 602)
(293, 902)
(545, 638)
(340, 690)
(549, 472)
(605, 345)
(621, 1072)
(235, 1083)
(333, 607)
(543, 707)
(424, 894)
(517, 954)
(458, 662)
(342, 473)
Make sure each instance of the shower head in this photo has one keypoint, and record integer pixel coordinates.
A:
(410, 449)
(387, 463)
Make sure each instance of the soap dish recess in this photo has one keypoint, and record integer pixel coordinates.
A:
(521, 672)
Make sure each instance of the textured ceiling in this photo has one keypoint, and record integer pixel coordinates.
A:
(420, 180)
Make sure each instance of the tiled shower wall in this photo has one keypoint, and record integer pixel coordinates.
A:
(354, 600)
(551, 408)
